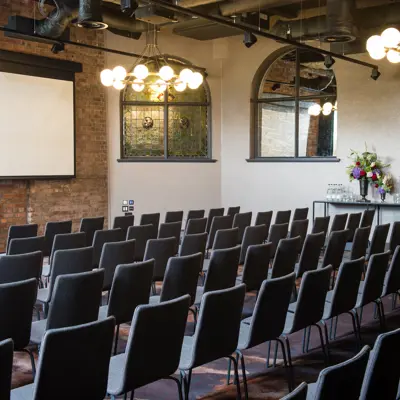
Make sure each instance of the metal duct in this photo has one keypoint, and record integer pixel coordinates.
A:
(238, 7)
(196, 3)
(90, 15)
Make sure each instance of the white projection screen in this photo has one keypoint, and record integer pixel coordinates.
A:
(37, 132)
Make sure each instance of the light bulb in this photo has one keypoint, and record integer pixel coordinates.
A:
(141, 71)
(195, 80)
(327, 107)
(138, 85)
(326, 111)
(119, 73)
(377, 54)
(179, 85)
(119, 85)
(375, 43)
(159, 86)
(185, 75)
(393, 56)
(166, 73)
(107, 77)
(390, 37)
(314, 110)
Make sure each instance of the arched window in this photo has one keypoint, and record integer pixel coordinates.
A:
(294, 108)
(167, 126)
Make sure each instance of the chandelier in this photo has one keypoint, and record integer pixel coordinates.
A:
(326, 109)
(142, 75)
(387, 44)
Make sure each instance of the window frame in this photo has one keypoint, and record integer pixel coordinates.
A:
(166, 106)
(255, 101)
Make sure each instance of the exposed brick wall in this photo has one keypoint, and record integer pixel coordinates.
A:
(39, 201)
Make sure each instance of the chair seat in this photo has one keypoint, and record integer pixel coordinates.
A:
(289, 323)
(38, 330)
(206, 264)
(292, 307)
(115, 374)
(244, 335)
(154, 299)
(329, 296)
(311, 389)
(199, 294)
(103, 310)
(186, 353)
(43, 295)
(46, 270)
(361, 287)
(247, 320)
(23, 393)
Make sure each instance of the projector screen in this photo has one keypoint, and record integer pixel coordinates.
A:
(37, 133)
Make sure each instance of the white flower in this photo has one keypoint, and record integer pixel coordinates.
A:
(373, 165)
(369, 175)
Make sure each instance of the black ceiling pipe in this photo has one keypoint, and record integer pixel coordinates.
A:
(90, 15)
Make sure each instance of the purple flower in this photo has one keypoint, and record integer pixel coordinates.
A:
(376, 171)
(356, 172)
(381, 190)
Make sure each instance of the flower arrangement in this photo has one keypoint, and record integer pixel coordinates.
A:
(384, 184)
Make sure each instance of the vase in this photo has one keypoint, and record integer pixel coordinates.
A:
(383, 197)
(364, 190)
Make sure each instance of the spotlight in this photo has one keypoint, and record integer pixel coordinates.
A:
(129, 6)
(329, 61)
(249, 39)
(57, 48)
(375, 74)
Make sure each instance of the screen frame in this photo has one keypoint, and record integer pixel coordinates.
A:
(42, 67)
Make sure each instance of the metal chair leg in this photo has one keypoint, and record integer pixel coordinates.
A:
(268, 353)
(327, 341)
(285, 363)
(275, 354)
(179, 384)
(308, 339)
(32, 361)
(321, 337)
(132, 395)
(289, 357)
(116, 340)
(244, 377)
(355, 330)
(187, 378)
(228, 377)
(358, 323)
(235, 365)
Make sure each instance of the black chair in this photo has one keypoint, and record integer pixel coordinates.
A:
(123, 222)
(224, 222)
(101, 238)
(192, 244)
(309, 256)
(73, 363)
(252, 235)
(299, 228)
(285, 257)
(395, 237)
(282, 217)
(174, 216)
(214, 212)
(339, 222)
(300, 393)
(130, 288)
(378, 241)
(360, 243)
(141, 234)
(264, 218)
(195, 214)
(392, 279)
(151, 219)
(353, 223)
(6, 366)
(114, 254)
(90, 226)
(233, 211)
(276, 233)
(225, 238)
(196, 225)
(156, 333)
(21, 231)
(171, 229)
(51, 230)
(20, 267)
(321, 224)
(300, 214)
(18, 299)
(26, 245)
(367, 218)
(241, 221)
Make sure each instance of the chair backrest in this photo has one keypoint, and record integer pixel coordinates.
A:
(217, 331)
(156, 333)
(224, 222)
(285, 257)
(300, 393)
(18, 299)
(6, 366)
(282, 217)
(321, 224)
(233, 210)
(193, 244)
(26, 245)
(194, 214)
(344, 380)
(309, 256)
(113, 254)
(242, 221)
(353, 223)
(345, 292)
(269, 313)
(74, 361)
(90, 226)
(264, 218)
(181, 277)
(300, 214)
(378, 241)
(102, 237)
(174, 216)
(256, 265)
(123, 222)
(381, 380)
(72, 261)
(392, 279)
(141, 234)
(339, 222)
(335, 249)
(375, 277)
(51, 230)
(151, 219)
(367, 218)
(360, 243)
(214, 212)
(222, 269)
(21, 231)
(130, 288)
(252, 235)
(299, 227)
(225, 238)
(395, 237)
(171, 229)
(21, 267)
(67, 241)
(161, 250)
(195, 225)
(311, 300)
(76, 299)
(276, 233)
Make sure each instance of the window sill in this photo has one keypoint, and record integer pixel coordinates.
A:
(165, 160)
(293, 159)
